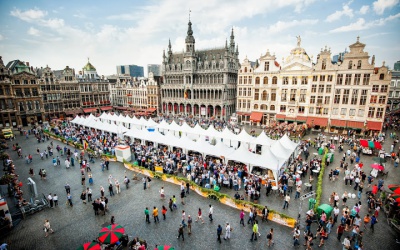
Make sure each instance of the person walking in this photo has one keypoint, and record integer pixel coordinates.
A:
(144, 180)
(111, 189)
(155, 215)
(170, 203)
(241, 217)
(183, 197)
(210, 213)
(47, 228)
(374, 220)
(67, 163)
(55, 199)
(69, 199)
(117, 187)
(67, 188)
(180, 233)
(251, 216)
(126, 181)
(147, 215)
(286, 203)
(340, 231)
(164, 211)
(219, 232)
(183, 218)
(102, 191)
(296, 236)
(199, 216)
(89, 194)
(227, 231)
(50, 200)
(174, 206)
(162, 193)
(189, 224)
(270, 237)
(255, 231)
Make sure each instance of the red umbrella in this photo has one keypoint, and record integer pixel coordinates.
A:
(165, 247)
(377, 166)
(364, 143)
(111, 234)
(90, 246)
(377, 145)
(393, 187)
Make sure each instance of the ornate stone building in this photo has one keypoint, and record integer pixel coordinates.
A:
(394, 91)
(94, 90)
(26, 90)
(200, 82)
(51, 94)
(349, 94)
(70, 92)
(8, 116)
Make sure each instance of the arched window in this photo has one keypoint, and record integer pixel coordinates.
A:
(264, 95)
(265, 81)
(359, 64)
(274, 80)
(272, 108)
(263, 107)
(255, 106)
(350, 65)
(324, 64)
(382, 77)
(257, 80)
(245, 69)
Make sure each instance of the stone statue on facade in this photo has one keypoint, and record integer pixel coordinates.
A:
(298, 40)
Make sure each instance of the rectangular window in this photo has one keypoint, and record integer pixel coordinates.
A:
(240, 80)
(361, 112)
(311, 110)
(282, 108)
(326, 111)
(303, 93)
(301, 110)
(382, 99)
(339, 79)
(240, 92)
(304, 80)
(248, 91)
(384, 88)
(375, 88)
(284, 95)
(330, 78)
(266, 66)
(343, 111)
(373, 99)
(328, 88)
(322, 78)
(371, 112)
(327, 100)
(363, 98)
(379, 112)
(313, 88)
(292, 95)
(357, 79)
(245, 80)
(319, 100)
(318, 110)
(315, 78)
(352, 112)
(348, 79)
(321, 88)
(335, 111)
(312, 99)
(366, 79)
(294, 80)
(249, 80)
(354, 97)
(346, 94)
(337, 96)
(285, 80)
(256, 94)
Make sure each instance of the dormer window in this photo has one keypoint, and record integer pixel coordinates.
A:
(359, 64)
(324, 64)
(350, 65)
(266, 66)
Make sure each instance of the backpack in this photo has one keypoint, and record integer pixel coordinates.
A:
(269, 236)
(129, 181)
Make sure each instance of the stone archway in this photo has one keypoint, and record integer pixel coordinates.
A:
(218, 111)
(210, 111)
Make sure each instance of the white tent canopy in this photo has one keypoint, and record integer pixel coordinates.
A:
(287, 143)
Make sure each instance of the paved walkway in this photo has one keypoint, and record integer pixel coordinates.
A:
(74, 226)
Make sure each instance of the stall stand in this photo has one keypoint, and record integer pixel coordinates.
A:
(123, 153)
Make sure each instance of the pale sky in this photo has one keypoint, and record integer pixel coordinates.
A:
(111, 33)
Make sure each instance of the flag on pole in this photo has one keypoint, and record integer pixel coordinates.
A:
(85, 144)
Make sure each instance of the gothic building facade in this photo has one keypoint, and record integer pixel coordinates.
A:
(200, 83)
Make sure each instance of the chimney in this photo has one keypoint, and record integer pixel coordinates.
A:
(27, 64)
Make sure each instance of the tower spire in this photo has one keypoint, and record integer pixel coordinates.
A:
(232, 41)
(190, 41)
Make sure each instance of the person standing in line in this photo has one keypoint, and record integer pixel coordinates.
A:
(55, 199)
(287, 200)
(340, 231)
(270, 237)
(180, 233)
(170, 204)
(190, 224)
(162, 193)
(219, 232)
(199, 216)
(210, 213)
(155, 215)
(47, 228)
(111, 189)
(67, 188)
(50, 199)
(227, 232)
(255, 231)
(241, 217)
(164, 211)
(69, 199)
(147, 215)
(144, 180)
(89, 194)
(117, 186)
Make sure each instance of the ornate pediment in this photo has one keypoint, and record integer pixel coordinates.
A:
(296, 66)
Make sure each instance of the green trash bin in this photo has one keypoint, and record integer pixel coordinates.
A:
(320, 151)
(311, 203)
